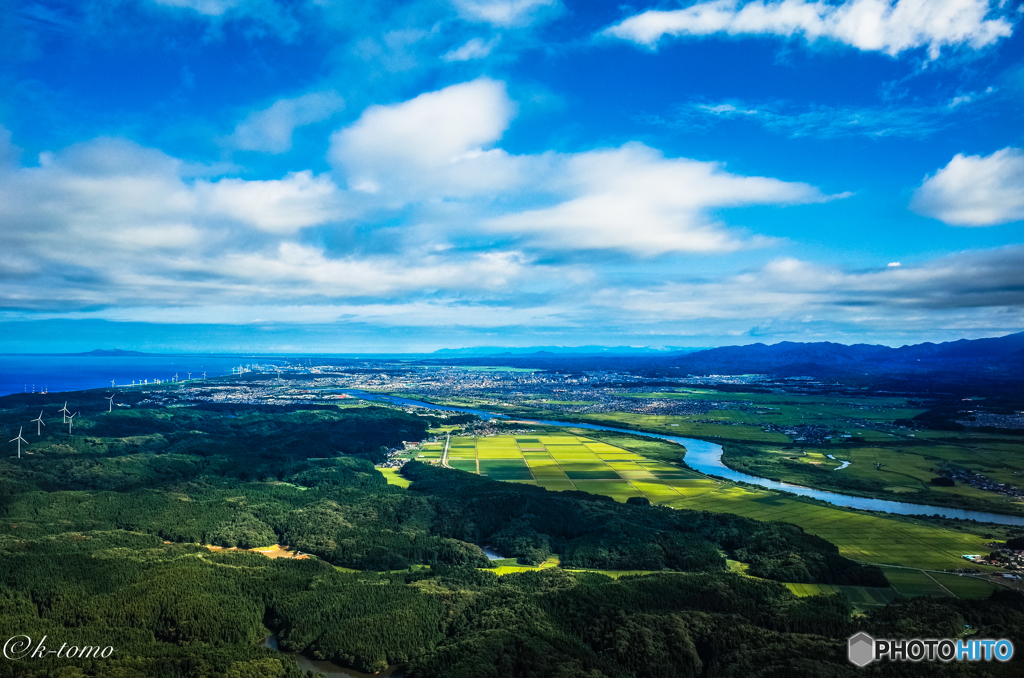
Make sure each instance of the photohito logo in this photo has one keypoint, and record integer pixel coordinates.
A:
(862, 649)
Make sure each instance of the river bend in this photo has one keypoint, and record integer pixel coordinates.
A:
(706, 457)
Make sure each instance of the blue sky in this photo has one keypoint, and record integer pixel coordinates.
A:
(324, 175)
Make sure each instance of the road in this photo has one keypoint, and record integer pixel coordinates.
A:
(444, 457)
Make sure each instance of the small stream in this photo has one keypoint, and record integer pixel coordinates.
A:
(842, 464)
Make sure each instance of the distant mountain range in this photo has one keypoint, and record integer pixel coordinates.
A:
(475, 351)
(968, 366)
(996, 355)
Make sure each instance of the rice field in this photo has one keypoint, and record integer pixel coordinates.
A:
(574, 462)
(912, 583)
(567, 462)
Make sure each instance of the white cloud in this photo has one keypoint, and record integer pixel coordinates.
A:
(506, 13)
(634, 199)
(435, 145)
(474, 48)
(869, 25)
(284, 205)
(971, 289)
(975, 190)
(271, 129)
(439, 148)
(112, 223)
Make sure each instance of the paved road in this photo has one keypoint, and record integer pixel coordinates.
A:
(444, 457)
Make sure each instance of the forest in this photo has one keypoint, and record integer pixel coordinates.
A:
(104, 535)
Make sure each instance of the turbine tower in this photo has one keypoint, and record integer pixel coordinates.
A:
(70, 420)
(189, 376)
(20, 440)
(111, 383)
(39, 424)
(66, 411)
(111, 399)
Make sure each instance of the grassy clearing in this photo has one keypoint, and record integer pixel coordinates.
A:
(860, 596)
(391, 475)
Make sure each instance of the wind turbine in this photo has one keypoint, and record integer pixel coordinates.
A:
(111, 399)
(20, 441)
(175, 376)
(111, 383)
(70, 419)
(66, 411)
(204, 375)
(39, 424)
(189, 375)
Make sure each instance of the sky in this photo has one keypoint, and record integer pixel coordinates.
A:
(368, 176)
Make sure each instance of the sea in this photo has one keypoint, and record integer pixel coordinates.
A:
(52, 373)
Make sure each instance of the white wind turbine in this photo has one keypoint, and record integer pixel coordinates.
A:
(66, 411)
(20, 441)
(189, 376)
(111, 399)
(70, 419)
(39, 424)
(111, 383)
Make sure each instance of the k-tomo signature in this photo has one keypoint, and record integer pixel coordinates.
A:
(21, 647)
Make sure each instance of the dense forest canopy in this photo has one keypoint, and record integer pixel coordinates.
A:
(102, 536)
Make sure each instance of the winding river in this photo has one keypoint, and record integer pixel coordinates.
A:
(707, 458)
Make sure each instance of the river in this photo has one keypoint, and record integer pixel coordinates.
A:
(706, 457)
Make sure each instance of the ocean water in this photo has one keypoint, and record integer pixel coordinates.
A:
(28, 373)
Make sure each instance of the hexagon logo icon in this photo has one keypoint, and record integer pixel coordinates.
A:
(861, 649)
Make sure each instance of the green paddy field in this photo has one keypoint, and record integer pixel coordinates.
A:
(575, 462)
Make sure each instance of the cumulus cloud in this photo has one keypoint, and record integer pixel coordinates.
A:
(974, 190)
(284, 205)
(271, 129)
(440, 147)
(506, 13)
(868, 25)
(435, 145)
(633, 198)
